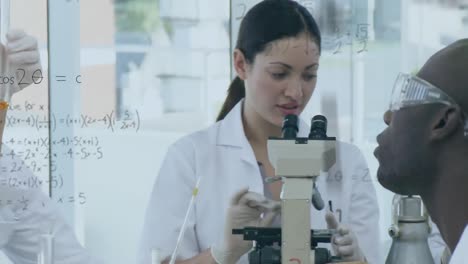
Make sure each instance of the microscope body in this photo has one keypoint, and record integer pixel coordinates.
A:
(299, 162)
(410, 231)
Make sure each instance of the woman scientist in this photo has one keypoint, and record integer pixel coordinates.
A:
(276, 60)
(30, 213)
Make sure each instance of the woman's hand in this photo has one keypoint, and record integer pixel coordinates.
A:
(246, 209)
(344, 242)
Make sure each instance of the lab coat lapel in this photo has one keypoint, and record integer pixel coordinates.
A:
(231, 134)
(231, 137)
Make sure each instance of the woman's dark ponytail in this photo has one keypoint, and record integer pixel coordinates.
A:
(236, 92)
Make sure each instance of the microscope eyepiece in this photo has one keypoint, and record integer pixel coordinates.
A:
(290, 127)
(318, 128)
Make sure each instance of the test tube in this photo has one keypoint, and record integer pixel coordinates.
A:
(5, 89)
(5, 96)
(155, 256)
(3, 105)
(46, 253)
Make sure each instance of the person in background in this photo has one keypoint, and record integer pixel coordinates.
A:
(31, 213)
(277, 59)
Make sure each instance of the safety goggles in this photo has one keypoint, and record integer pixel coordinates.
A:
(410, 90)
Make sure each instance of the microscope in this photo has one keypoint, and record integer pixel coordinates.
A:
(297, 162)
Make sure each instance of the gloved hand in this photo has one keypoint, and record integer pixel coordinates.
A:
(344, 242)
(21, 57)
(244, 211)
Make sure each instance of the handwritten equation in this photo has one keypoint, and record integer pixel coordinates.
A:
(24, 203)
(361, 35)
(20, 166)
(242, 8)
(129, 121)
(65, 78)
(310, 5)
(55, 182)
(337, 176)
(21, 77)
(33, 153)
(72, 153)
(336, 41)
(27, 106)
(45, 142)
(81, 199)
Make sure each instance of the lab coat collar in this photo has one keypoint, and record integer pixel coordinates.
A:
(231, 131)
(231, 128)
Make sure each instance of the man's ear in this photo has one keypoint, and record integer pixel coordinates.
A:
(240, 64)
(446, 122)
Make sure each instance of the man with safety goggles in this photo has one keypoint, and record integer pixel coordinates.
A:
(424, 149)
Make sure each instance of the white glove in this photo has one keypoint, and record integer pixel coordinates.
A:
(344, 242)
(245, 210)
(21, 57)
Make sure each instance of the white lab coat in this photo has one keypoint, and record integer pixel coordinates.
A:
(223, 158)
(21, 223)
(460, 254)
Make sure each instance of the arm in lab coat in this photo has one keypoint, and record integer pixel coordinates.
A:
(167, 206)
(29, 215)
(364, 210)
(36, 218)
